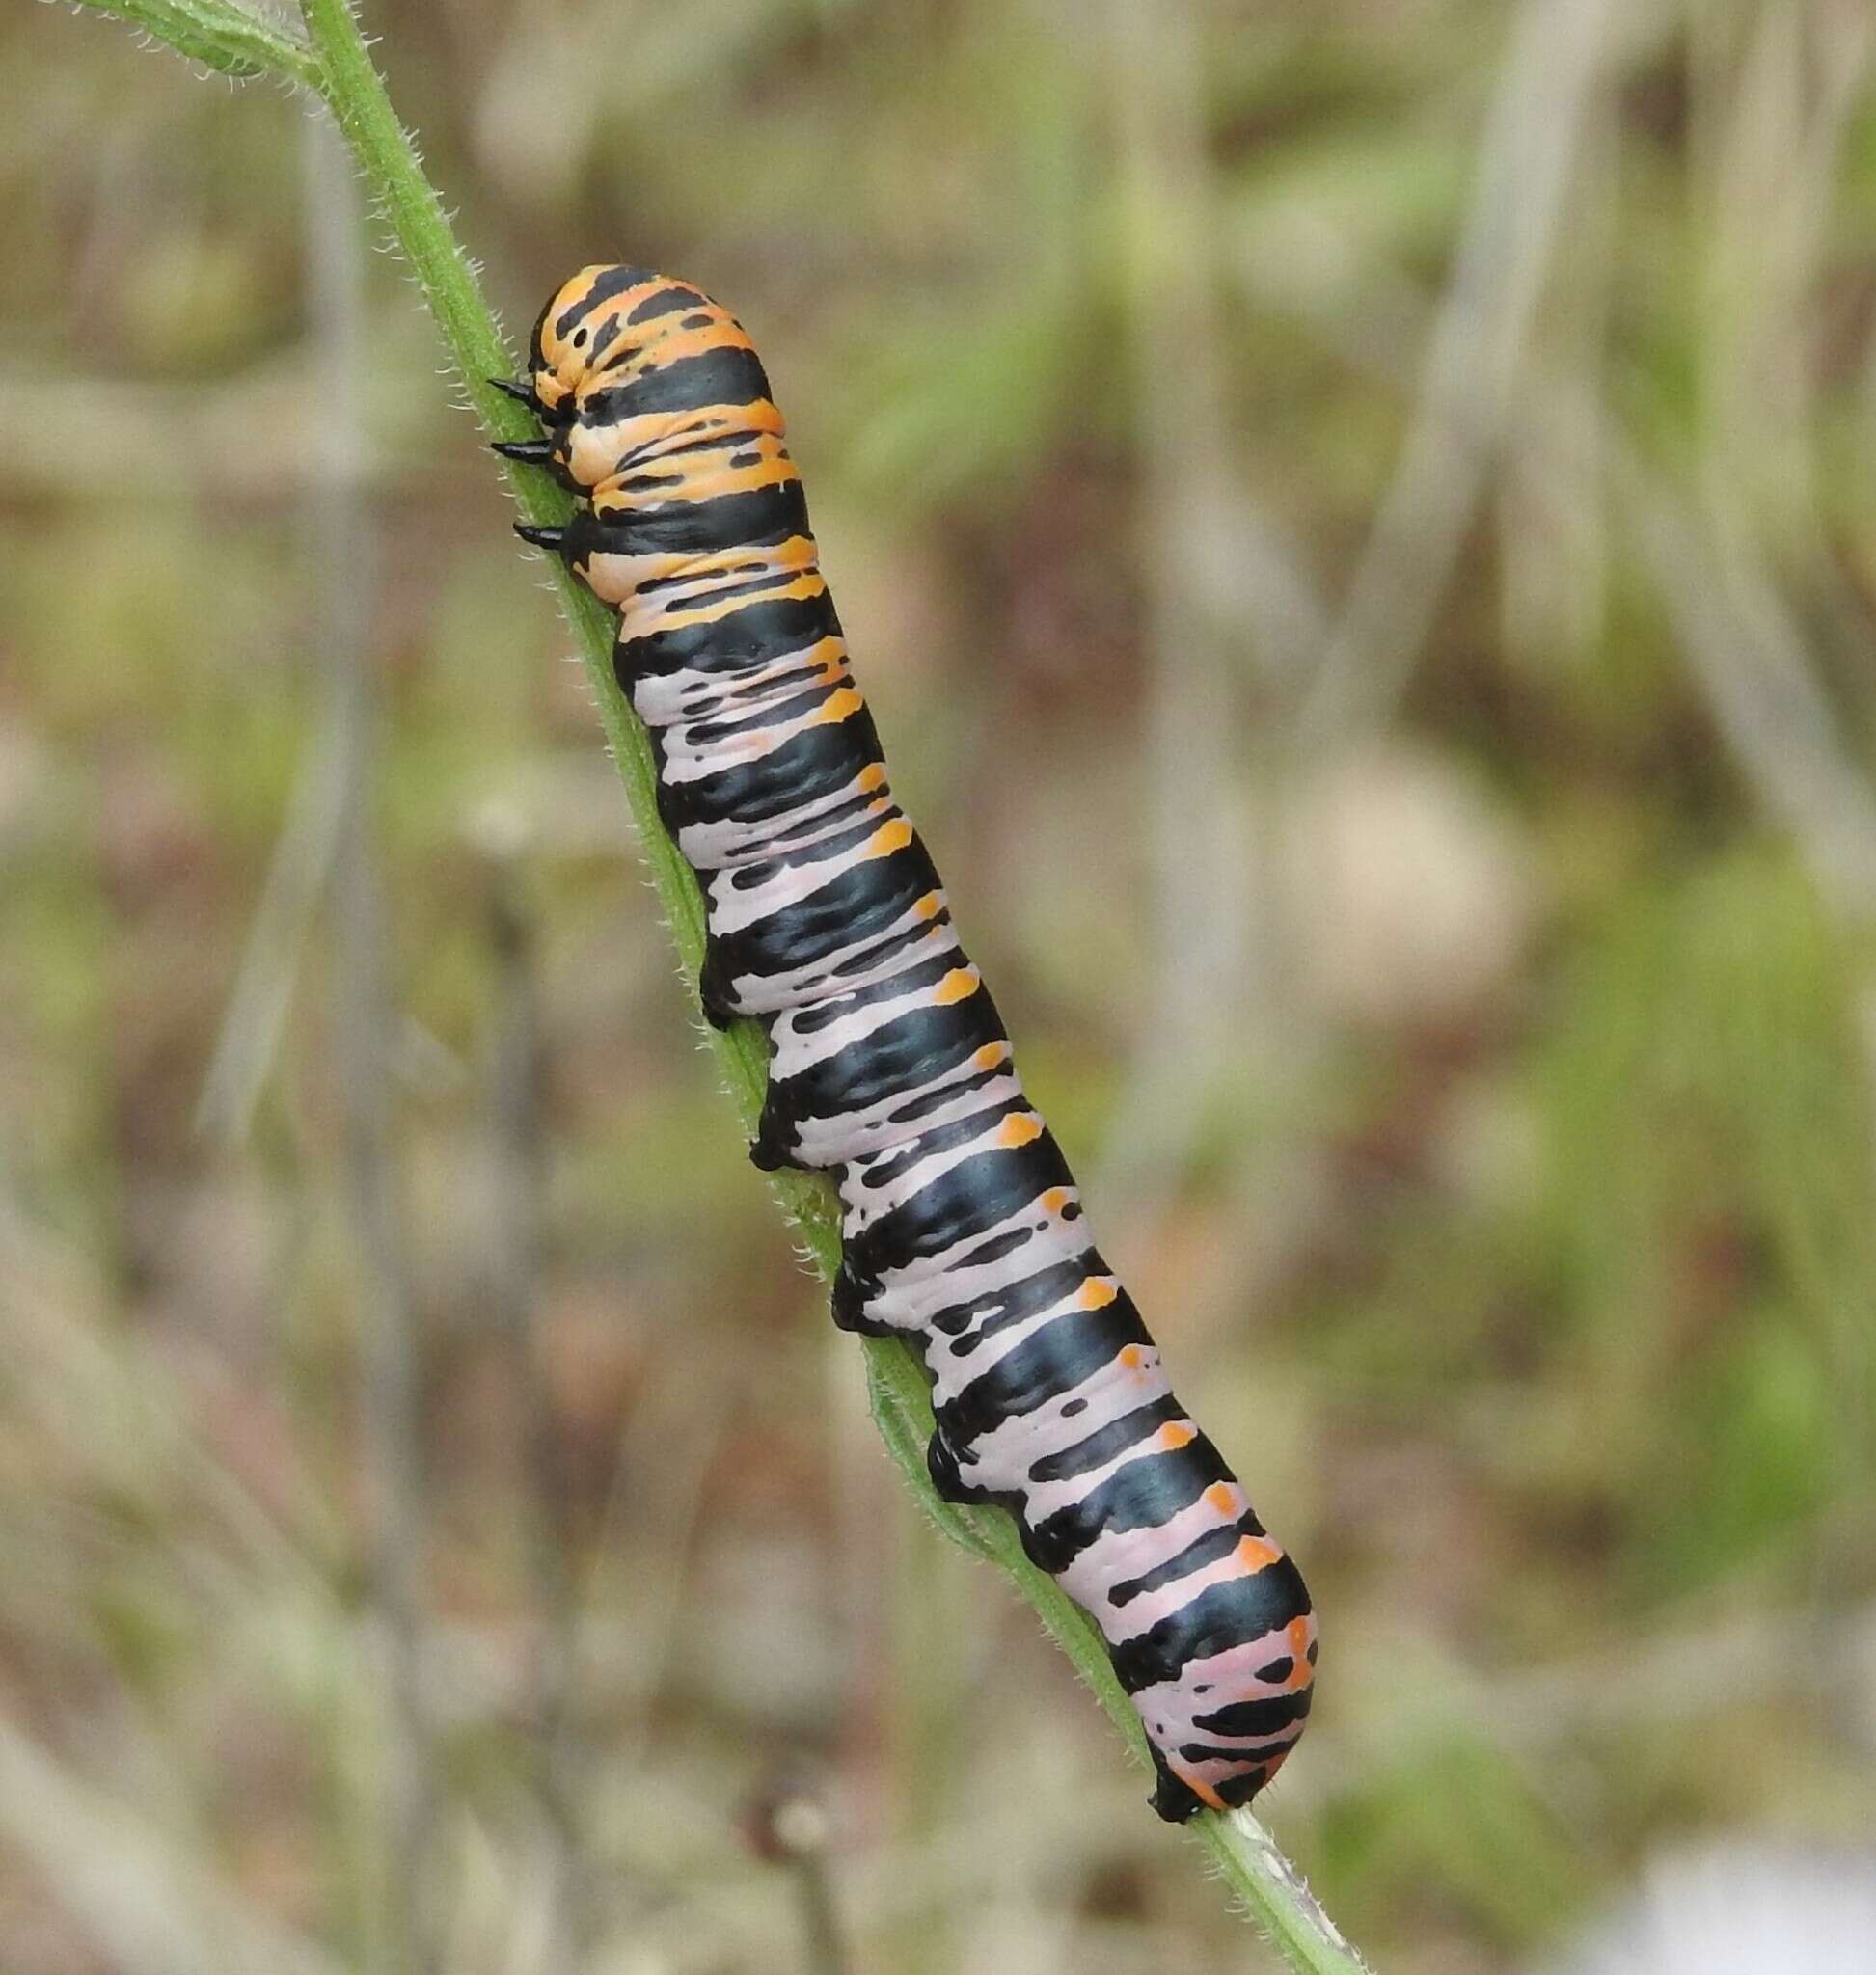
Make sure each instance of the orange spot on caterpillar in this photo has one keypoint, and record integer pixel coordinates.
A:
(1221, 1498)
(930, 906)
(1257, 1553)
(1055, 1199)
(1133, 1357)
(991, 1055)
(1096, 1293)
(1296, 1634)
(888, 838)
(797, 552)
(958, 984)
(841, 706)
(1176, 1434)
(1198, 1786)
(1020, 1130)
(872, 776)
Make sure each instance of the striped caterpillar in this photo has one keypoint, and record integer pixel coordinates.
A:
(890, 1067)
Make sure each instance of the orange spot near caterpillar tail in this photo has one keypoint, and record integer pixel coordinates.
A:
(1198, 1786)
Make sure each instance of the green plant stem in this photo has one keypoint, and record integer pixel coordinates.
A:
(339, 67)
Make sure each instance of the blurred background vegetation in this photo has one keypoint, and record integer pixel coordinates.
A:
(1355, 518)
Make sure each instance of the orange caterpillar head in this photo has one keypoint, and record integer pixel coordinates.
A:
(618, 321)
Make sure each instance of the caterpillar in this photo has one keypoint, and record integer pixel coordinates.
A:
(890, 1067)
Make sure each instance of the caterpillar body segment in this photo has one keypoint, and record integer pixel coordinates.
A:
(889, 1065)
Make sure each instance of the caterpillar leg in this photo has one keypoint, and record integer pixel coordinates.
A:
(712, 995)
(947, 1475)
(770, 1150)
(852, 1292)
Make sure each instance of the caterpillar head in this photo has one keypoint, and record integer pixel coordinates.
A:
(616, 322)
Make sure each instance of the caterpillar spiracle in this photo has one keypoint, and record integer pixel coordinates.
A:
(890, 1067)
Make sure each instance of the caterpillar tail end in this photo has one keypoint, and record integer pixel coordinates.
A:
(1175, 1801)
(542, 538)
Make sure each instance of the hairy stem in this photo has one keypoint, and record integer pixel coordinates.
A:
(338, 67)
